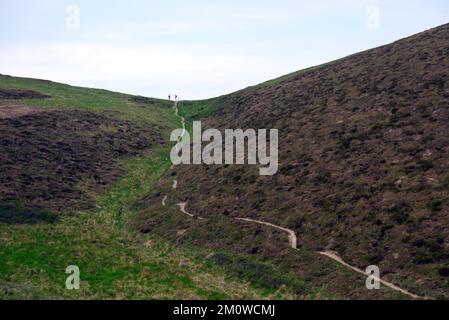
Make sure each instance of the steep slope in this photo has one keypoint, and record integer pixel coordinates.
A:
(363, 160)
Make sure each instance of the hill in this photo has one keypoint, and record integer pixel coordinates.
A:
(363, 152)
(73, 162)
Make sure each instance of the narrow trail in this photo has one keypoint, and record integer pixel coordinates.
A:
(291, 234)
(183, 120)
(164, 200)
(293, 240)
(182, 207)
(334, 256)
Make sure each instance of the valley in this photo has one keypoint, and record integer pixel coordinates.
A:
(86, 179)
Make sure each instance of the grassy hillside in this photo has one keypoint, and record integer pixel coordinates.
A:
(363, 166)
(39, 240)
(66, 97)
(363, 172)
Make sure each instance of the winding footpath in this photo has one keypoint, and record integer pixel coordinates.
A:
(334, 256)
(293, 240)
(164, 200)
(291, 234)
(182, 207)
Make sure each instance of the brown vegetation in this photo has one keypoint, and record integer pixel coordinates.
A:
(363, 160)
(60, 159)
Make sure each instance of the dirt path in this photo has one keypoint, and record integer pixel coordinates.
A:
(182, 207)
(334, 256)
(291, 233)
(183, 120)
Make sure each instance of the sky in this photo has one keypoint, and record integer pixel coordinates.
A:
(197, 49)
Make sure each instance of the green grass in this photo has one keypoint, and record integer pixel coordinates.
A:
(66, 97)
(200, 109)
(117, 263)
(114, 262)
(195, 110)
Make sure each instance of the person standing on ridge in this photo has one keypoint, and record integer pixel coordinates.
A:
(169, 97)
(176, 97)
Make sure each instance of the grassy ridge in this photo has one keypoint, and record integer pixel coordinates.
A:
(64, 96)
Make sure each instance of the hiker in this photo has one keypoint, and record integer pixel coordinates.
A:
(176, 97)
(169, 97)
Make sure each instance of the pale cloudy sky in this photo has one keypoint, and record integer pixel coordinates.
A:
(197, 49)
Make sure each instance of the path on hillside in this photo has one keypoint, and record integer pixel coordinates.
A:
(334, 256)
(182, 207)
(291, 233)
(183, 122)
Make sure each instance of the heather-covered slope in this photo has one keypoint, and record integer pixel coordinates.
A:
(60, 145)
(364, 156)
